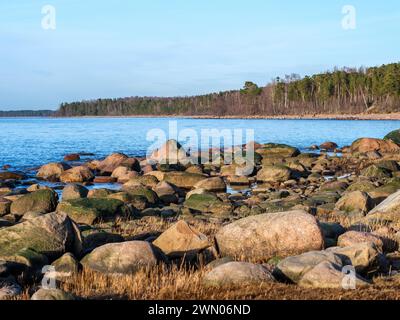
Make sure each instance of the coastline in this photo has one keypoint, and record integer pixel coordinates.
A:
(377, 117)
(359, 117)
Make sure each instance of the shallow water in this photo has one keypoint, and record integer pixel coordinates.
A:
(28, 142)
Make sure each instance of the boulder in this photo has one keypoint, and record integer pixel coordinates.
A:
(181, 240)
(170, 152)
(328, 146)
(215, 184)
(52, 234)
(393, 136)
(104, 179)
(112, 162)
(74, 191)
(42, 201)
(44, 294)
(72, 157)
(272, 234)
(277, 173)
(52, 171)
(295, 267)
(98, 239)
(365, 145)
(77, 175)
(237, 274)
(146, 180)
(184, 180)
(388, 210)
(351, 238)
(374, 171)
(327, 275)
(66, 266)
(354, 201)
(364, 257)
(121, 258)
(5, 206)
(208, 202)
(124, 174)
(100, 193)
(12, 175)
(282, 150)
(140, 190)
(92, 210)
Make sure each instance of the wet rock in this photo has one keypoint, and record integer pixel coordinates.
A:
(100, 193)
(77, 175)
(124, 174)
(51, 234)
(237, 273)
(52, 171)
(181, 240)
(104, 179)
(12, 175)
(43, 201)
(328, 146)
(121, 258)
(272, 234)
(113, 161)
(74, 191)
(72, 157)
(92, 210)
(278, 149)
(368, 144)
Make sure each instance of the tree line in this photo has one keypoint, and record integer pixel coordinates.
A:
(341, 91)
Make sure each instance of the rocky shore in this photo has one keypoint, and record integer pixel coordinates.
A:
(318, 225)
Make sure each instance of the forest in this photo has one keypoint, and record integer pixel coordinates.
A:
(27, 113)
(340, 91)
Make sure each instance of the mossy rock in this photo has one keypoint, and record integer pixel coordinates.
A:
(389, 165)
(394, 136)
(208, 203)
(374, 171)
(51, 234)
(322, 198)
(363, 185)
(278, 149)
(100, 193)
(92, 210)
(42, 201)
(143, 191)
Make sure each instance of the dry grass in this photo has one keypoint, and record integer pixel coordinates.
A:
(177, 283)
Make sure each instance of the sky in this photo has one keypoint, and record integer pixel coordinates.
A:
(120, 48)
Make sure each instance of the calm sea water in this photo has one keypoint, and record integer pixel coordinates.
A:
(28, 142)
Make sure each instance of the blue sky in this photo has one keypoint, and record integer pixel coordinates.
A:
(180, 47)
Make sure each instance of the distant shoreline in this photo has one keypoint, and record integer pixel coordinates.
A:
(389, 116)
